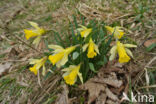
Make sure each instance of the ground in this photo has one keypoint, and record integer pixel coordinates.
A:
(19, 85)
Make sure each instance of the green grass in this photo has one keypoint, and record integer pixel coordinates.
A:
(41, 11)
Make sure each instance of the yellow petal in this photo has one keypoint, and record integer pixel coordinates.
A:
(70, 49)
(37, 40)
(129, 52)
(41, 31)
(35, 25)
(83, 27)
(91, 52)
(38, 64)
(41, 63)
(113, 53)
(69, 68)
(62, 61)
(85, 32)
(34, 69)
(56, 58)
(123, 57)
(44, 70)
(69, 80)
(30, 33)
(85, 47)
(96, 48)
(110, 29)
(55, 47)
(118, 33)
(72, 76)
(113, 49)
(130, 45)
(112, 57)
(80, 76)
(33, 61)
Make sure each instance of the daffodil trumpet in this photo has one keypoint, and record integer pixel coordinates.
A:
(35, 32)
(60, 55)
(92, 49)
(71, 73)
(117, 31)
(37, 64)
(122, 50)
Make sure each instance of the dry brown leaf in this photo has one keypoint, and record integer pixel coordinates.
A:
(4, 67)
(149, 42)
(94, 89)
(111, 102)
(90, 12)
(110, 81)
(101, 99)
(111, 95)
(63, 97)
(13, 52)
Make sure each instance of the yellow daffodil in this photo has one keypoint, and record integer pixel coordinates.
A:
(122, 50)
(92, 49)
(118, 33)
(60, 55)
(36, 32)
(84, 31)
(38, 63)
(71, 73)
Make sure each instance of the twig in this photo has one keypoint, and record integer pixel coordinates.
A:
(151, 86)
(148, 64)
(13, 61)
(129, 14)
(27, 44)
(146, 72)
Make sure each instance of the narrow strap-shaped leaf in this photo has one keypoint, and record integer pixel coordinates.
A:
(58, 39)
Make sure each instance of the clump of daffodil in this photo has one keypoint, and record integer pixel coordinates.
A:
(122, 50)
(71, 73)
(84, 31)
(60, 55)
(35, 32)
(38, 63)
(118, 33)
(92, 49)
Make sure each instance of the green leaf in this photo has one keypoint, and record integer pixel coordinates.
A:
(152, 46)
(75, 55)
(58, 39)
(75, 21)
(91, 66)
(74, 38)
(100, 63)
(105, 59)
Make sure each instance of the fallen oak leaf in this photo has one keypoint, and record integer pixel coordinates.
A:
(109, 101)
(94, 89)
(111, 95)
(110, 81)
(101, 99)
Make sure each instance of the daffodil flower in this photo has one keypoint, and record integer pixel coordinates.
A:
(60, 55)
(38, 63)
(118, 33)
(122, 50)
(35, 32)
(71, 73)
(84, 31)
(92, 49)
